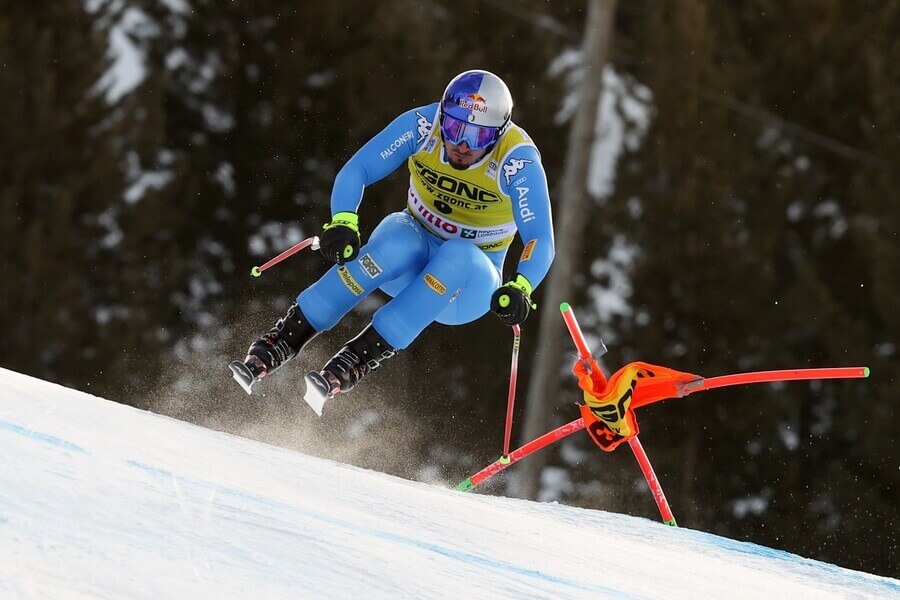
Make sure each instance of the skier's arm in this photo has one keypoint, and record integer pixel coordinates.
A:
(380, 157)
(527, 188)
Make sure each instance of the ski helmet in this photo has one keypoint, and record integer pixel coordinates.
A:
(476, 108)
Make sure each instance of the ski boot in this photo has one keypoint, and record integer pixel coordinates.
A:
(362, 355)
(287, 338)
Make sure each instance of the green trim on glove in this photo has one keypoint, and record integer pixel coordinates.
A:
(340, 239)
(523, 285)
(511, 301)
(350, 220)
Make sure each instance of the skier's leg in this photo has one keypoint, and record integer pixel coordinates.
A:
(458, 271)
(281, 343)
(398, 247)
(455, 287)
(475, 302)
(359, 357)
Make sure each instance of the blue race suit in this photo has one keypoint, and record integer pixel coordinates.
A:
(441, 258)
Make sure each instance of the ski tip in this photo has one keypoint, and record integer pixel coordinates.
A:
(865, 371)
(316, 391)
(242, 375)
(564, 307)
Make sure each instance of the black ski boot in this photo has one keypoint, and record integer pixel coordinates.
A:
(287, 338)
(362, 355)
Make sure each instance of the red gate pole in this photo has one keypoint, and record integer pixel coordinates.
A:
(646, 468)
(520, 453)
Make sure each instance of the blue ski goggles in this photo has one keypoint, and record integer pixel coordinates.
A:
(457, 131)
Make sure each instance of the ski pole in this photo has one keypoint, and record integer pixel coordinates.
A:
(637, 449)
(313, 241)
(511, 399)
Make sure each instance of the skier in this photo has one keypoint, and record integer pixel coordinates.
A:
(475, 180)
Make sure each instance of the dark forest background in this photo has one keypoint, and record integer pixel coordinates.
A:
(761, 203)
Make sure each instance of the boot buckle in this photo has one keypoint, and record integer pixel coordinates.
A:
(374, 363)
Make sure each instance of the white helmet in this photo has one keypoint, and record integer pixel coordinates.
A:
(479, 107)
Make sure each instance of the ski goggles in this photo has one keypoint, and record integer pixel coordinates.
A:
(457, 131)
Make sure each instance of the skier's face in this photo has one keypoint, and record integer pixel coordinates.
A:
(460, 156)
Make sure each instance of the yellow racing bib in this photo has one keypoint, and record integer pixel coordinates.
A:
(467, 204)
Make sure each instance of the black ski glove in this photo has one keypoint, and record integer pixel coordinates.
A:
(339, 241)
(512, 301)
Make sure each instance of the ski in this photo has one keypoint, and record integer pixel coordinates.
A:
(317, 391)
(242, 375)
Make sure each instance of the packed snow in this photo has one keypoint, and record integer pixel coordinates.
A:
(102, 500)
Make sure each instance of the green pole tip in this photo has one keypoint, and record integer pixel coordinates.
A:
(255, 272)
(865, 371)
(672, 523)
(564, 307)
(504, 460)
(466, 485)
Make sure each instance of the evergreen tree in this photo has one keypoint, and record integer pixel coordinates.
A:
(58, 176)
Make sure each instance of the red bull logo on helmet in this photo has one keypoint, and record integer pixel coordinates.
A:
(474, 102)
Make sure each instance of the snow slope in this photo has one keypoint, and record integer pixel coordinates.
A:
(101, 500)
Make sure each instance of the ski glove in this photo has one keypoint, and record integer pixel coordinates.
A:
(340, 240)
(512, 301)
